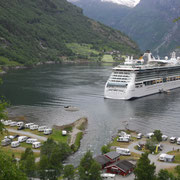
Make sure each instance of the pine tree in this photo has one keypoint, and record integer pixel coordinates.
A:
(144, 169)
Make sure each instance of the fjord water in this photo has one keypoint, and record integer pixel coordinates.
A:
(41, 93)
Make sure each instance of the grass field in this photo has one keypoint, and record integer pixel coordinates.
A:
(107, 58)
(177, 156)
(82, 49)
(57, 136)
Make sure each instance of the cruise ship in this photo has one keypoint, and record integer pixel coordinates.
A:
(142, 77)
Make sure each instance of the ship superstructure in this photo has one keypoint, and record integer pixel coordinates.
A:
(144, 76)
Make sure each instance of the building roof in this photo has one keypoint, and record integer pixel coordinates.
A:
(124, 165)
(112, 155)
(102, 159)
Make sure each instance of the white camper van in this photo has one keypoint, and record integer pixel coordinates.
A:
(5, 142)
(34, 127)
(139, 135)
(19, 124)
(108, 176)
(22, 138)
(164, 137)
(172, 139)
(13, 123)
(15, 144)
(47, 131)
(149, 135)
(36, 145)
(28, 125)
(64, 132)
(123, 151)
(42, 128)
(31, 140)
(123, 139)
(178, 140)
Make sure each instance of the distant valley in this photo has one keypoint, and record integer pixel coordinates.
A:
(150, 23)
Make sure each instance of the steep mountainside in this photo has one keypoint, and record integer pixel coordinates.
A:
(39, 30)
(150, 23)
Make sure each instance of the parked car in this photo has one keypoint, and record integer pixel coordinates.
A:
(15, 144)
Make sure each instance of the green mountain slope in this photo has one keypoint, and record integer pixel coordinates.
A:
(39, 30)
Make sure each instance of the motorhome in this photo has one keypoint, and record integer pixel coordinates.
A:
(34, 127)
(149, 135)
(31, 140)
(164, 137)
(13, 123)
(178, 140)
(123, 139)
(124, 134)
(139, 135)
(22, 138)
(15, 144)
(166, 157)
(19, 124)
(123, 151)
(28, 125)
(64, 133)
(172, 139)
(36, 145)
(108, 176)
(5, 142)
(9, 122)
(47, 131)
(42, 128)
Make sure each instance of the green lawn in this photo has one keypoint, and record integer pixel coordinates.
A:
(107, 58)
(57, 136)
(177, 156)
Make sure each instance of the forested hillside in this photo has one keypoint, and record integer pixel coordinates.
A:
(39, 30)
(150, 23)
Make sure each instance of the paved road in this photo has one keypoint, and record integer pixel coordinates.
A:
(41, 138)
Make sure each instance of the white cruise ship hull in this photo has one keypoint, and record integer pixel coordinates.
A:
(131, 93)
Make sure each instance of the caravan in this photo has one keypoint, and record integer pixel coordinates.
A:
(123, 139)
(47, 131)
(42, 128)
(36, 144)
(178, 141)
(5, 142)
(22, 138)
(13, 123)
(15, 144)
(123, 151)
(19, 124)
(34, 127)
(172, 139)
(31, 140)
(28, 125)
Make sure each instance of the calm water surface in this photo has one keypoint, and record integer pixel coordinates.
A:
(41, 93)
